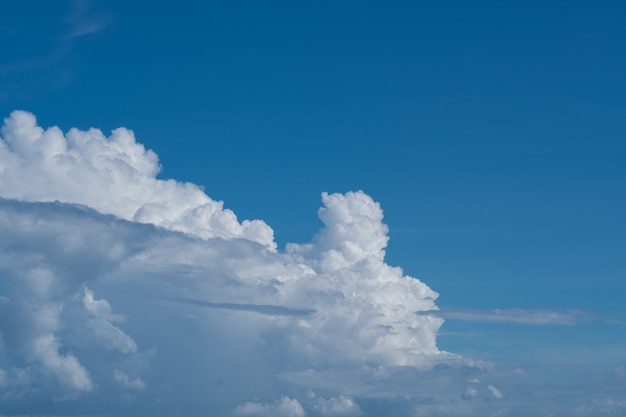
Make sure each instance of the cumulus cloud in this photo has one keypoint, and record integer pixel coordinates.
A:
(117, 279)
(100, 323)
(495, 392)
(286, 407)
(336, 406)
(470, 393)
(29, 323)
(114, 175)
(126, 294)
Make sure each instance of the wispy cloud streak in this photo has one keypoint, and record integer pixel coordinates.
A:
(85, 20)
(47, 62)
(568, 317)
(265, 309)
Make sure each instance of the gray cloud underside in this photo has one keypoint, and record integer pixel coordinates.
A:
(85, 284)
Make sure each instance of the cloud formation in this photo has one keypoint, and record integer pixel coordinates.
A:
(118, 282)
(336, 407)
(114, 175)
(121, 293)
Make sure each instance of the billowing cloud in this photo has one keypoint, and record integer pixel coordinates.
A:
(121, 293)
(117, 281)
(102, 327)
(114, 175)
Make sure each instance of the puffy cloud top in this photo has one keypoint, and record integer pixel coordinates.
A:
(114, 175)
(353, 232)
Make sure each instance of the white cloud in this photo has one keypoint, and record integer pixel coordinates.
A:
(66, 368)
(120, 288)
(92, 287)
(100, 324)
(99, 308)
(336, 406)
(470, 393)
(114, 175)
(495, 392)
(286, 407)
(125, 381)
(353, 232)
(29, 326)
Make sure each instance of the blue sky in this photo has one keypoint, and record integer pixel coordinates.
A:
(492, 134)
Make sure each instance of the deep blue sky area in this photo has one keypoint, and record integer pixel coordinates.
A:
(492, 133)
